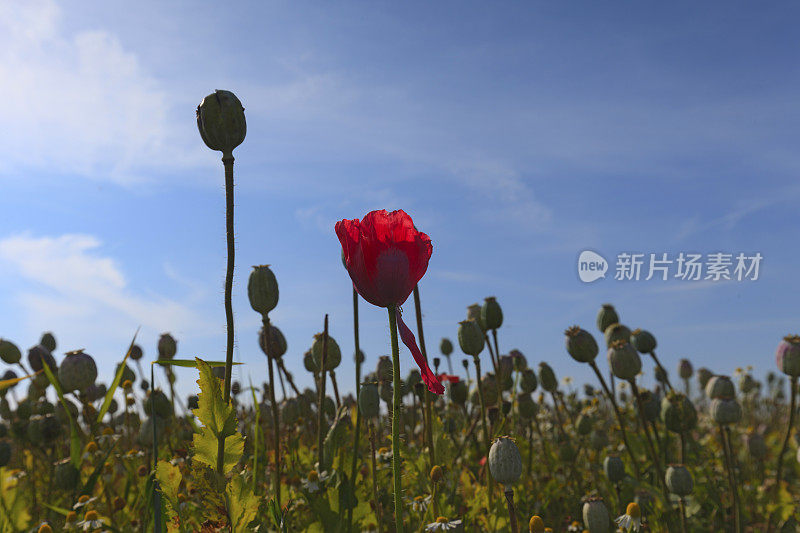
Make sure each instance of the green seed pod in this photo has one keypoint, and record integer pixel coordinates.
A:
(679, 480)
(756, 445)
(703, 377)
(595, 515)
(617, 332)
(505, 462)
(614, 468)
(290, 411)
(651, 405)
(277, 342)
(167, 346)
(127, 373)
(384, 369)
(369, 401)
(146, 430)
(720, 387)
(385, 391)
(333, 356)
(37, 354)
(414, 377)
(5, 409)
(9, 352)
(157, 401)
(470, 337)
(584, 423)
(787, 355)
(24, 409)
(66, 476)
(489, 388)
(526, 407)
(360, 357)
(221, 122)
(599, 439)
(329, 407)
(262, 290)
(48, 340)
(606, 316)
(308, 363)
(547, 378)
(581, 345)
(458, 393)
(528, 381)
(136, 352)
(678, 413)
(474, 313)
(491, 313)
(685, 369)
(520, 363)
(446, 347)
(725, 412)
(643, 341)
(5, 453)
(77, 372)
(566, 451)
(624, 360)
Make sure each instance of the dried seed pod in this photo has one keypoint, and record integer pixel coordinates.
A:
(787, 356)
(78, 371)
(725, 412)
(595, 515)
(643, 341)
(624, 360)
(505, 462)
(547, 378)
(720, 387)
(581, 345)
(679, 480)
(617, 332)
(614, 468)
(606, 316)
(221, 121)
(9, 352)
(491, 313)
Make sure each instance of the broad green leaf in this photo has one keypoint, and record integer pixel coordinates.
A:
(190, 363)
(243, 504)
(6, 383)
(205, 449)
(74, 436)
(117, 378)
(169, 479)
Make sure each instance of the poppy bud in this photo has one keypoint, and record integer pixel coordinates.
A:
(127, 373)
(725, 412)
(470, 337)
(526, 407)
(9, 352)
(614, 468)
(643, 341)
(262, 290)
(581, 344)
(236, 388)
(458, 392)
(385, 369)
(39, 353)
(595, 515)
(547, 377)
(606, 316)
(136, 352)
(436, 363)
(491, 313)
(167, 346)
(617, 332)
(277, 342)
(720, 387)
(679, 480)
(333, 356)
(788, 355)
(446, 347)
(624, 361)
(465, 364)
(220, 119)
(520, 363)
(474, 313)
(505, 462)
(703, 376)
(678, 413)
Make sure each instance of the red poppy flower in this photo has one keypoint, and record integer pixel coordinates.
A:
(386, 257)
(449, 377)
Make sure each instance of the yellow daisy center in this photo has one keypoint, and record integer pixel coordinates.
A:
(91, 515)
(633, 510)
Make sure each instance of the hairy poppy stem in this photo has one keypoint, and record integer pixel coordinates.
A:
(321, 399)
(428, 418)
(666, 377)
(396, 403)
(275, 416)
(358, 409)
(512, 513)
(486, 436)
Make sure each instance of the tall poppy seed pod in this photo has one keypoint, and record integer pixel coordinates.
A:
(384, 369)
(725, 411)
(685, 369)
(520, 363)
(614, 468)
(136, 352)
(526, 407)
(720, 387)
(624, 360)
(606, 316)
(536, 525)
(277, 342)
(48, 340)
(39, 353)
(505, 462)
(470, 337)
(584, 423)
(220, 119)
(369, 400)
(458, 392)
(446, 347)
(333, 356)
(528, 381)
(547, 378)
(679, 480)
(262, 290)
(581, 344)
(9, 352)
(474, 313)
(703, 377)
(491, 313)
(643, 341)
(617, 332)
(595, 515)
(678, 413)
(167, 346)
(756, 445)
(787, 356)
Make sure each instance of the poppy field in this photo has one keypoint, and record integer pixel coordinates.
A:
(466, 435)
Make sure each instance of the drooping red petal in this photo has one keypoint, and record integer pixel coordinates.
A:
(411, 343)
(449, 377)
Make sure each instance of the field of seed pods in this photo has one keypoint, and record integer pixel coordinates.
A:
(451, 445)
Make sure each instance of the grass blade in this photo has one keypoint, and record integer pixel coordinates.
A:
(74, 436)
(114, 384)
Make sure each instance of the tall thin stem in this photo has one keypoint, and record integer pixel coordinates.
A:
(321, 399)
(276, 427)
(731, 481)
(227, 161)
(512, 513)
(792, 409)
(663, 371)
(358, 409)
(428, 395)
(486, 436)
(396, 404)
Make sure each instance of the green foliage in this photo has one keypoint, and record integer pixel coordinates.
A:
(114, 384)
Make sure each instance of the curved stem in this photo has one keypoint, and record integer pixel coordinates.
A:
(731, 480)
(792, 409)
(358, 409)
(396, 404)
(649, 441)
(666, 377)
(321, 400)
(486, 436)
(512, 514)
(428, 394)
(276, 426)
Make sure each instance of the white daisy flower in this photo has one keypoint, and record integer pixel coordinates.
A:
(83, 501)
(443, 524)
(420, 503)
(314, 481)
(91, 521)
(632, 519)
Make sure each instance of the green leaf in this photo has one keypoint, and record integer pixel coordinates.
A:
(114, 384)
(169, 479)
(243, 504)
(205, 449)
(74, 436)
(189, 363)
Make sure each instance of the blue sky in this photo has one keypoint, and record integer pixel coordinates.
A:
(515, 134)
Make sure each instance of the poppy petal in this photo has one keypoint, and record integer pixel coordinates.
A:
(411, 343)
